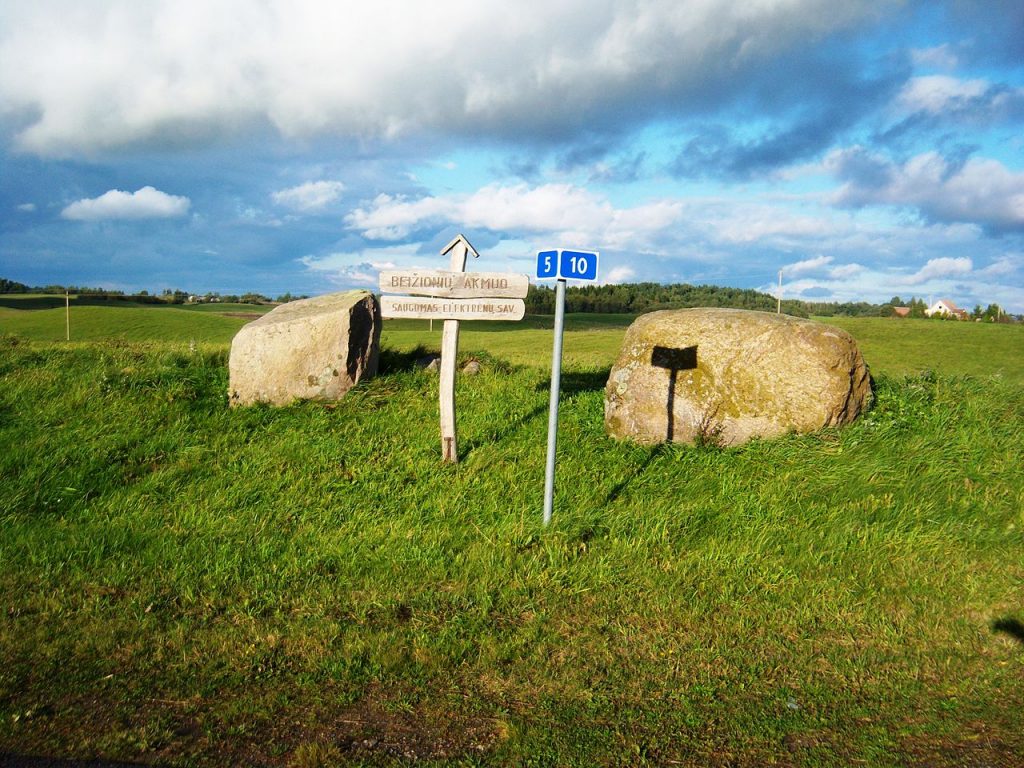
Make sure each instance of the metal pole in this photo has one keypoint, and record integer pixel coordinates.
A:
(556, 384)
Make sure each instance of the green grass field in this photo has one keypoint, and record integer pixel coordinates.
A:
(185, 584)
(130, 323)
(891, 347)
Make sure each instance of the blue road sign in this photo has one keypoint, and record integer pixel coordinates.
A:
(578, 265)
(547, 264)
(567, 265)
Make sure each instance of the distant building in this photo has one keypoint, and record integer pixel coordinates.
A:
(901, 311)
(946, 308)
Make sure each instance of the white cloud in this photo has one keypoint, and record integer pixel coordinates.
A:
(249, 214)
(309, 197)
(26, 207)
(103, 74)
(941, 267)
(363, 274)
(362, 267)
(1006, 265)
(807, 265)
(565, 213)
(392, 218)
(845, 271)
(939, 56)
(860, 269)
(738, 222)
(980, 191)
(936, 94)
(946, 277)
(619, 275)
(145, 203)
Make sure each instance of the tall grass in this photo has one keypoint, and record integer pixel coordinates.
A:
(189, 583)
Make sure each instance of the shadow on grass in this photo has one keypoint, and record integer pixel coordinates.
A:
(393, 361)
(573, 383)
(621, 486)
(420, 357)
(503, 434)
(1011, 627)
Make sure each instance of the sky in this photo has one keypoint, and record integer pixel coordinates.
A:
(868, 149)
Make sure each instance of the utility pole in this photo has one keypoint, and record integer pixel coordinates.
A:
(778, 309)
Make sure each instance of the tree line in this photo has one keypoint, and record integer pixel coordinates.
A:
(623, 298)
(636, 298)
(166, 296)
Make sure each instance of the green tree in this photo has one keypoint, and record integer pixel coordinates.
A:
(10, 286)
(992, 313)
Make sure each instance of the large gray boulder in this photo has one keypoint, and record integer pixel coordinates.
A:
(313, 349)
(727, 376)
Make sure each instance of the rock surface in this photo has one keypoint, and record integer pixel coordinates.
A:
(312, 349)
(727, 376)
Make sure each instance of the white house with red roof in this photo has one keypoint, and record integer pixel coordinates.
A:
(946, 308)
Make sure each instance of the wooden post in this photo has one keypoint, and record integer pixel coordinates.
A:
(452, 295)
(778, 309)
(458, 249)
(67, 314)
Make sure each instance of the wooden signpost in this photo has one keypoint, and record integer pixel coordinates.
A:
(455, 285)
(452, 295)
(421, 308)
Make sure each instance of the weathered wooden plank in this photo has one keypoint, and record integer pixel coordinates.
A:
(455, 285)
(457, 251)
(427, 308)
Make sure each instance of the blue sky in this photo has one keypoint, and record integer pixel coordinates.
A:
(867, 149)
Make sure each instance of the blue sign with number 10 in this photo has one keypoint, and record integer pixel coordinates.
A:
(567, 265)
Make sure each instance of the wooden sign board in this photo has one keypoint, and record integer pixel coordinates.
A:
(425, 308)
(452, 295)
(455, 285)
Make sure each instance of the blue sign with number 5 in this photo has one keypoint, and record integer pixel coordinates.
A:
(547, 264)
(567, 265)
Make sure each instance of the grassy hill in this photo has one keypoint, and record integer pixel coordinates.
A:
(954, 348)
(186, 584)
(125, 323)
